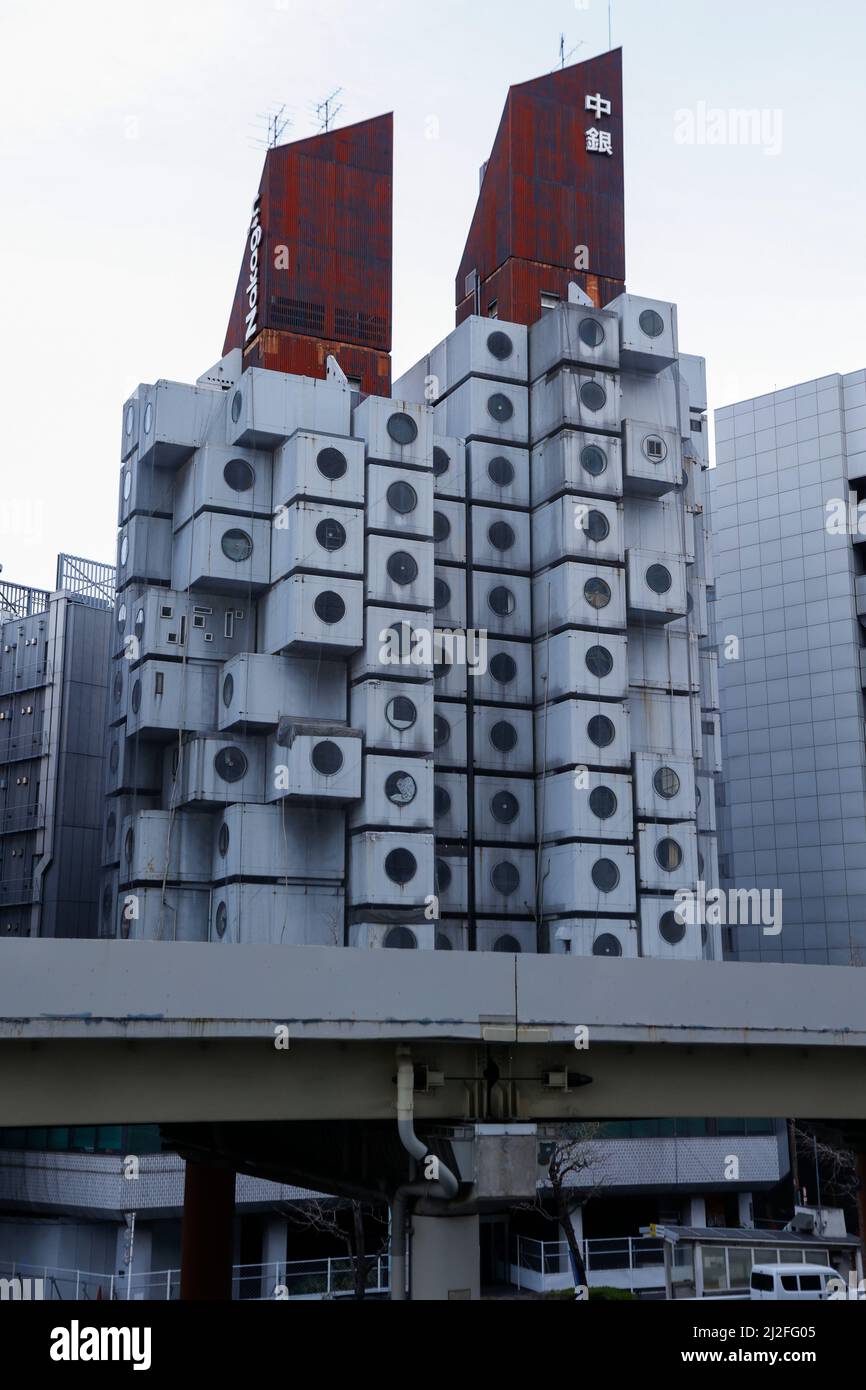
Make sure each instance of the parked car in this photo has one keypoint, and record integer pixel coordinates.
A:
(795, 1281)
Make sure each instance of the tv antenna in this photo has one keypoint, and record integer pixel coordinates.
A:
(563, 56)
(326, 112)
(278, 123)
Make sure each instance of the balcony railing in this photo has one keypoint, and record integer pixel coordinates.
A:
(331, 1277)
(630, 1262)
(14, 891)
(22, 818)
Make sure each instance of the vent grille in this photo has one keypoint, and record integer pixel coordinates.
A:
(297, 314)
(355, 327)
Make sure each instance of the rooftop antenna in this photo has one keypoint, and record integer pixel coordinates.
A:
(609, 22)
(326, 114)
(278, 123)
(563, 56)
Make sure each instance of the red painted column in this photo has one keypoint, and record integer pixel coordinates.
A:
(207, 1232)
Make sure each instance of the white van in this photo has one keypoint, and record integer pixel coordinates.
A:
(794, 1281)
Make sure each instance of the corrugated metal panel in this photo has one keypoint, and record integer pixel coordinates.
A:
(305, 356)
(517, 287)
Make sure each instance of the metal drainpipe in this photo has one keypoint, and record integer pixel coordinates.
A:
(444, 1187)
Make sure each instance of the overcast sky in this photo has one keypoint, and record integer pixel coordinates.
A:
(129, 168)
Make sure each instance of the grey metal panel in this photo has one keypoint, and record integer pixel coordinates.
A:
(370, 422)
(557, 465)
(201, 557)
(267, 408)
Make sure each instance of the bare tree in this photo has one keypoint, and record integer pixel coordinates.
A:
(329, 1218)
(573, 1157)
(837, 1166)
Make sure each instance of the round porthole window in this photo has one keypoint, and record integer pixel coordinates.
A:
(127, 484)
(593, 460)
(401, 866)
(442, 942)
(135, 700)
(329, 607)
(606, 945)
(501, 601)
(124, 550)
(130, 418)
(330, 534)
(441, 594)
(402, 497)
(500, 471)
(499, 345)
(139, 623)
(601, 730)
(669, 855)
(239, 475)
(591, 333)
(500, 535)
(331, 463)
(441, 461)
(441, 801)
(237, 403)
(228, 690)
(400, 788)
(121, 617)
(230, 764)
(503, 736)
(671, 930)
(402, 567)
(597, 593)
(128, 846)
(148, 417)
(441, 730)
(508, 944)
(655, 448)
(651, 323)
(504, 807)
(221, 920)
(117, 687)
(599, 661)
(659, 579)
(698, 795)
(443, 876)
(110, 828)
(327, 758)
(596, 526)
(223, 841)
(402, 429)
(400, 939)
(505, 878)
(605, 875)
(593, 396)
(401, 713)
(499, 408)
(236, 545)
(602, 802)
(666, 782)
(441, 527)
(503, 668)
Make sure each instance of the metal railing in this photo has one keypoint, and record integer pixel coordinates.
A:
(24, 746)
(549, 1260)
(14, 891)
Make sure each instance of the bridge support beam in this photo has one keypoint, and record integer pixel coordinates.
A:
(207, 1232)
(446, 1258)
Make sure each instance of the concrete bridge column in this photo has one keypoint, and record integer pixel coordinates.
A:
(446, 1258)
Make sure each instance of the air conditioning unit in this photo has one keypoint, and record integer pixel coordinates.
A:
(397, 645)
(652, 459)
(215, 771)
(314, 537)
(117, 808)
(668, 856)
(581, 663)
(705, 798)
(449, 466)
(449, 531)
(450, 806)
(393, 936)
(452, 936)
(164, 622)
(584, 805)
(664, 786)
(398, 794)
(266, 408)
(396, 716)
(575, 335)
(481, 409)
(582, 733)
(452, 881)
(133, 766)
(501, 539)
(151, 914)
(577, 398)
(399, 572)
(502, 604)
(505, 673)
(159, 846)
(499, 475)
(312, 613)
(314, 762)
(255, 690)
(576, 461)
(594, 936)
(167, 696)
(656, 586)
(505, 810)
(277, 914)
(664, 933)
(278, 842)
(578, 594)
(647, 332)
(479, 347)
(503, 740)
(449, 596)
(391, 869)
(510, 938)
(399, 500)
(579, 528)
(320, 468)
(588, 877)
(449, 735)
(175, 420)
(655, 399)
(222, 551)
(505, 880)
(398, 432)
(144, 551)
(662, 723)
(144, 489)
(223, 479)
